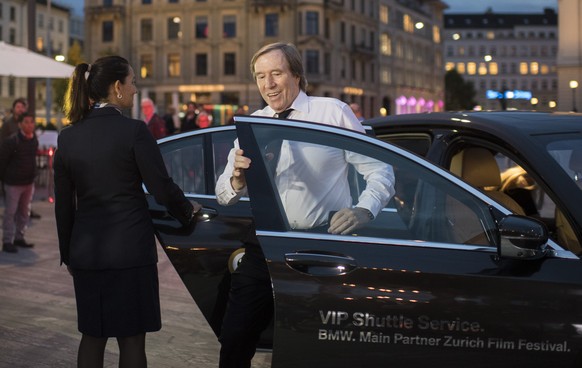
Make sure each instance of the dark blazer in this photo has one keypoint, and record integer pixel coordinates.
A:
(102, 215)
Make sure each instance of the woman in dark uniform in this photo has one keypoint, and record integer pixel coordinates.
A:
(106, 236)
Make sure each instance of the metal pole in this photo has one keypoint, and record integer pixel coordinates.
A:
(31, 82)
(49, 89)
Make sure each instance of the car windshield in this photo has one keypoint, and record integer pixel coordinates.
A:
(568, 154)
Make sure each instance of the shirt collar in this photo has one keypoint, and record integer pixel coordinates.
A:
(300, 104)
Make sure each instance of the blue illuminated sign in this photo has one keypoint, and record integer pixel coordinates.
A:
(509, 95)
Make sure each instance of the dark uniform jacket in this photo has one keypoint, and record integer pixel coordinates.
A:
(102, 215)
(18, 159)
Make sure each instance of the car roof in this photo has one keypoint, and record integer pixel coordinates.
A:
(495, 122)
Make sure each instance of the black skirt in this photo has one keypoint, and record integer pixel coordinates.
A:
(118, 303)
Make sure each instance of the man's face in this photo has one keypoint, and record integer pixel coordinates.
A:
(147, 108)
(27, 126)
(277, 85)
(19, 109)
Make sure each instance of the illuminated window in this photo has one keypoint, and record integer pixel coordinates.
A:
(490, 35)
(174, 65)
(385, 44)
(534, 68)
(545, 69)
(40, 43)
(449, 66)
(436, 34)
(461, 68)
(482, 68)
(384, 14)
(522, 68)
(407, 23)
(461, 50)
(471, 68)
(493, 69)
(146, 69)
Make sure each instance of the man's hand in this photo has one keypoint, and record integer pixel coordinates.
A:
(347, 220)
(241, 163)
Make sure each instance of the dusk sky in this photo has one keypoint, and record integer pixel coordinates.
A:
(500, 6)
(455, 6)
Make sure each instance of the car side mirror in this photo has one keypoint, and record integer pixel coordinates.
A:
(522, 237)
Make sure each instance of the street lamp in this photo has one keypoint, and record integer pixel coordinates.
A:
(573, 86)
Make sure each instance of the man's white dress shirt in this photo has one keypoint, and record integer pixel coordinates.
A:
(312, 179)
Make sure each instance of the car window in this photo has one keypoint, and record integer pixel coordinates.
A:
(500, 177)
(184, 160)
(222, 143)
(418, 143)
(568, 154)
(426, 206)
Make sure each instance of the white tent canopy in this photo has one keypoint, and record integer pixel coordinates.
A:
(20, 62)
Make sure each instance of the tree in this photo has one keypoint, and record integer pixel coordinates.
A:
(459, 94)
(74, 57)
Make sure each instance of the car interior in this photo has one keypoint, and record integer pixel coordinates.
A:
(477, 166)
(504, 180)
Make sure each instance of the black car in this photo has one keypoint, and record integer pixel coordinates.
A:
(530, 161)
(443, 276)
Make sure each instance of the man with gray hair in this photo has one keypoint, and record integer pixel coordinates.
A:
(278, 71)
(156, 125)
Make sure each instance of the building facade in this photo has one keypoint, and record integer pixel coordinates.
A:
(52, 23)
(570, 56)
(510, 58)
(385, 55)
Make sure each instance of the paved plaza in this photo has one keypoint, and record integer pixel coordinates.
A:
(38, 326)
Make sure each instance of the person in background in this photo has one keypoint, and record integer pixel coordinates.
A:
(357, 111)
(278, 71)
(10, 125)
(240, 111)
(106, 235)
(156, 125)
(203, 120)
(171, 120)
(189, 119)
(18, 171)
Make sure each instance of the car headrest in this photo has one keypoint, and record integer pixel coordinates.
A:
(477, 166)
(576, 160)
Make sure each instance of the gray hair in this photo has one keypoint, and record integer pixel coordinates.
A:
(292, 56)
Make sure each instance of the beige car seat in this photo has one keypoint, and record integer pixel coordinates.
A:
(477, 166)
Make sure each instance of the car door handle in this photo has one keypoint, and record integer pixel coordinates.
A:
(206, 213)
(320, 264)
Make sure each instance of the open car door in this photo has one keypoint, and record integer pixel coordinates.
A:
(443, 276)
